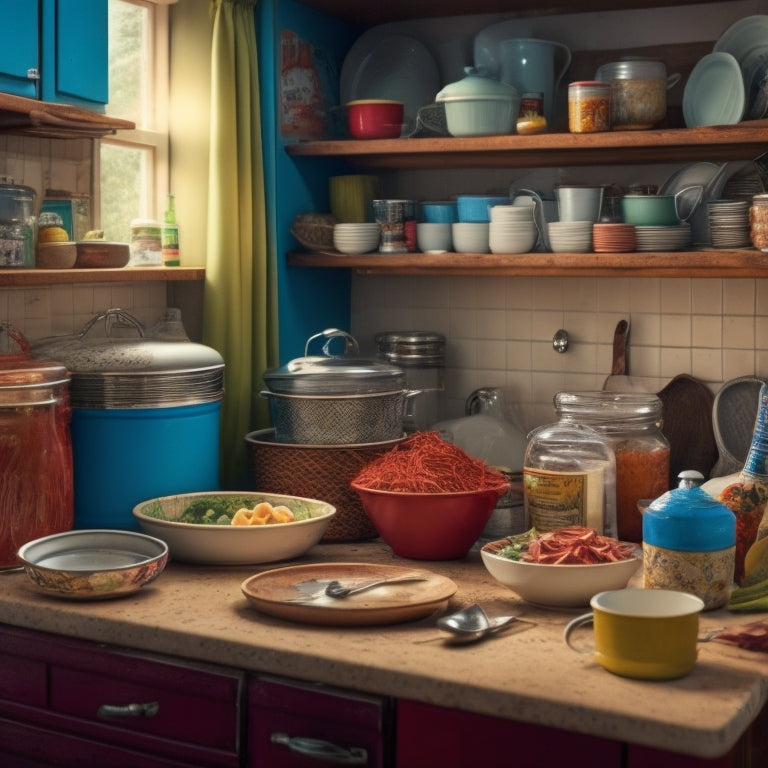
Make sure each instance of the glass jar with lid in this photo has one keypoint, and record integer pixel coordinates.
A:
(569, 478)
(630, 422)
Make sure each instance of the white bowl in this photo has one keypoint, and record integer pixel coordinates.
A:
(512, 242)
(481, 115)
(470, 237)
(557, 586)
(356, 237)
(434, 236)
(226, 544)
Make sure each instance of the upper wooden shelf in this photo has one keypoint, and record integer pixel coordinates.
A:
(30, 117)
(372, 13)
(743, 141)
(708, 263)
(13, 277)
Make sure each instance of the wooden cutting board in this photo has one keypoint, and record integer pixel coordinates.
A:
(688, 426)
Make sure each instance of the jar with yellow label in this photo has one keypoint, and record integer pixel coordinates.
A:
(569, 478)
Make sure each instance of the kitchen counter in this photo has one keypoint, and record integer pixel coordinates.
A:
(526, 674)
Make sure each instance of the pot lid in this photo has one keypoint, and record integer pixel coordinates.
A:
(334, 374)
(632, 68)
(477, 84)
(114, 362)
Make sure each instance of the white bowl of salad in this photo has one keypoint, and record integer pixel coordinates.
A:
(563, 568)
(234, 527)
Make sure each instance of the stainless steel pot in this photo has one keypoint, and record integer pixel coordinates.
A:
(336, 399)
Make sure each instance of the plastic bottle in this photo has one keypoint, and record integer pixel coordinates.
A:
(689, 545)
(170, 236)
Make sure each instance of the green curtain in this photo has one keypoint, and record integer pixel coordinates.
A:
(239, 312)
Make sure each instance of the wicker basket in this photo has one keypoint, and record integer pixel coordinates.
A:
(315, 230)
(317, 472)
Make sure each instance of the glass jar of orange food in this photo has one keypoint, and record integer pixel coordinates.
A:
(630, 422)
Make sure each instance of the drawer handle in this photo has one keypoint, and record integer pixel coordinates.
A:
(317, 749)
(150, 709)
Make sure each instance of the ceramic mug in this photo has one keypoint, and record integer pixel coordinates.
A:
(579, 203)
(649, 634)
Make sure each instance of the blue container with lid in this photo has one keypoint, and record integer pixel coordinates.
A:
(689, 544)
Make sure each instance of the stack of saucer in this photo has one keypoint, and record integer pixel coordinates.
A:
(512, 229)
(570, 236)
(613, 238)
(356, 237)
(729, 223)
(671, 238)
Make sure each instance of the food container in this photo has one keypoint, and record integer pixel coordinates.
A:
(375, 118)
(145, 414)
(35, 447)
(630, 423)
(589, 107)
(479, 105)
(638, 92)
(689, 544)
(18, 226)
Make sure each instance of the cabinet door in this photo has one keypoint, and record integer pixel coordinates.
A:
(19, 52)
(75, 64)
(299, 726)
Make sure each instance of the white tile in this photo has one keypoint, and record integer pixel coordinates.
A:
(706, 331)
(707, 296)
(676, 330)
(707, 364)
(738, 297)
(676, 296)
(738, 332)
(645, 296)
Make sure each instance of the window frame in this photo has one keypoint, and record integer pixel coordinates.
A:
(154, 137)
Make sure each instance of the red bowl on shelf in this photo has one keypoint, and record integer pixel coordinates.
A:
(430, 526)
(375, 118)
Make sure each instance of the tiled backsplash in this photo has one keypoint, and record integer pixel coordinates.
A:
(499, 330)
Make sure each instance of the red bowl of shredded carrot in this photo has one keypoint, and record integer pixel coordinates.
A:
(427, 498)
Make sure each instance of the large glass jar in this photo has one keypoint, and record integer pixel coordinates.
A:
(631, 424)
(36, 485)
(569, 476)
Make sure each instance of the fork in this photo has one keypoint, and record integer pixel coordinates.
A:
(338, 590)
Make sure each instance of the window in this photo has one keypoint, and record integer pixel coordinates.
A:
(133, 165)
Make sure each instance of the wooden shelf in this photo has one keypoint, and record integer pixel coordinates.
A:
(707, 263)
(743, 141)
(13, 278)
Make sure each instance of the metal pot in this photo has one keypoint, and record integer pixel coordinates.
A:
(336, 400)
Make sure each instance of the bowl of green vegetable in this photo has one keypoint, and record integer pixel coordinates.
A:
(233, 527)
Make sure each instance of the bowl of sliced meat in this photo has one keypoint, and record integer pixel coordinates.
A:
(562, 568)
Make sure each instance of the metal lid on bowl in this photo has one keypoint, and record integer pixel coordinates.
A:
(125, 366)
(329, 374)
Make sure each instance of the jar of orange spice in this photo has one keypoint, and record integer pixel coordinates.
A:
(630, 423)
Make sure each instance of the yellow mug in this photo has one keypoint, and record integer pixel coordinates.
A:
(649, 634)
(351, 197)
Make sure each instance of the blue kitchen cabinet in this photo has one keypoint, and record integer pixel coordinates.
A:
(309, 300)
(56, 50)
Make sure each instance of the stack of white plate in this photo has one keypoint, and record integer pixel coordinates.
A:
(356, 238)
(512, 229)
(674, 238)
(729, 223)
(613, 237)
(570, 236)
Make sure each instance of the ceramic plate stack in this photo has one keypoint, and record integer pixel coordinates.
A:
(674, 238)
(729, 223)
(570, 236)
(512, 229)
(356, 237)
(613, 238)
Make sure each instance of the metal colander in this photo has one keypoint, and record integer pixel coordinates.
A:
(338, 419)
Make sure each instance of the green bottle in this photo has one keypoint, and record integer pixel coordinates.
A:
(170, 236)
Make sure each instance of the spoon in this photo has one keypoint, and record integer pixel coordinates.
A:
(472, 623)
(338, 590)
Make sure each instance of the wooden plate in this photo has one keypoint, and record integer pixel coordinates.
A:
(285, 593)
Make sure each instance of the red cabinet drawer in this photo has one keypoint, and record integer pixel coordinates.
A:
(280, 711)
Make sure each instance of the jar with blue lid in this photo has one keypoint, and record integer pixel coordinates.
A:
(689, 545)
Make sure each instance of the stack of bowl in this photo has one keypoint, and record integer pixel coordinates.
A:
(512, 229)
(356, 237)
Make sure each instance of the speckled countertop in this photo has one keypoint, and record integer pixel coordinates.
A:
(526, 674)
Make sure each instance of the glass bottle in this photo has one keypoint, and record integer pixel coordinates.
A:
(630, 422)
(36, 485)
(569, 478)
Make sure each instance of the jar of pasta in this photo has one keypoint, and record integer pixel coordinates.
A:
(630, 422)
(589, 106)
